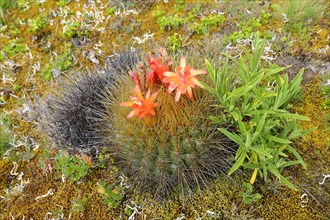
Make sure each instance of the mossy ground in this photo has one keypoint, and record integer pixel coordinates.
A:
(22, 83)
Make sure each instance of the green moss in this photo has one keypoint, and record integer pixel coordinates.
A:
(38, 24)
(5, 123)
(73, 167)
(285, 204)
(13, 48)
(61, 63)
(23, 4)
(175, 42)
(112, 195)
(179, 5)
(171, 22)
(2, 56)
(219, 201)
(4, 141)
(5, 167)
(74, 29)
(79, 206)
(313, 100)
(14, 31)
(207, 22)
(111, 10)
(251, 26)
(62, 3)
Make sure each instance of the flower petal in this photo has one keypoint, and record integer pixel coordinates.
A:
(152, 112)
(177, 95)
(196, 82)
(153, 97)
(126, 104)
(171, 79)
(189, 90)
(132, 113)
(173, 86)
(197, 72)
(148, 94)
(138, 92)
(183, 88)
(183, 62)
(169, 74)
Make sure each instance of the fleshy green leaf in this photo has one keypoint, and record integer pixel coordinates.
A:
(297, 155)
(234, 137)
(278, 140)
(262, 152)
(282, 179)
(238, 162)
(260, 124)
(293, 116)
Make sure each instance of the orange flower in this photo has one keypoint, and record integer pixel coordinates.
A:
(142, 107)
(183, 80)
(157, 67)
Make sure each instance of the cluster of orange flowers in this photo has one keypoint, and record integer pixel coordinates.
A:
(183, 80)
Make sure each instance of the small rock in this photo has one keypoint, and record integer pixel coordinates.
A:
(91, 55)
